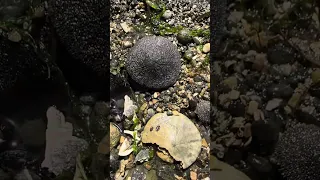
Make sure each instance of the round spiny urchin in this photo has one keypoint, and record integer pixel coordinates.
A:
(154, 62)
(203, 111)
(298, 153)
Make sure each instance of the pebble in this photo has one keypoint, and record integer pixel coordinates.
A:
(234, 94)
(14, 36)
(253, 107)
(125, 27)
(273, 104)
(206, 48)
(88, 100)
(127, 44)
(280, 91)
(184, 37)
(167, 14)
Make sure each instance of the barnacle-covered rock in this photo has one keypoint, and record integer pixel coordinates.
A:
(298, 152)
(82, 28)
(154, 62)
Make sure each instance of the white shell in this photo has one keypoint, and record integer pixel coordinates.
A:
(177, 134)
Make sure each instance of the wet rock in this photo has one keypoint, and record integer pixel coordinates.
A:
(184, 36)
(280, 54)
(139, 173)
(280, 91)
(160, 60)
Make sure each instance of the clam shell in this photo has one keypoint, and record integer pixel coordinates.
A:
(177, 134)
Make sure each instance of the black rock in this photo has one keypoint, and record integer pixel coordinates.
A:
(139, 172)
(184, 36)
(166, 172)
(237, 109)
(264, 136)
(280, 54)
(203, 111)
(154, 62)
(280, 91)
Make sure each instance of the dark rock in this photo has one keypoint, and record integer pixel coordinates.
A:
(139, 172)
(203, 111)
(280, 54)
(16, 160)
(233, 156)
(33, 133)
(297, 152)
(184, 37)
(280, 91)
(4, 175)
(23, 175)
(264, 136)
(166, 172)
(306, 117)
(118, 86)
(82, 29)
(114, 160)
(260, 164)
(101, 108)
(88, 100)
(192, 104)
(237, 109)
(198, 78)
(220, 15)
(154, 62)
(11, 9)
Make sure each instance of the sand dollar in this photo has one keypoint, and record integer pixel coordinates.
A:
(177, 134)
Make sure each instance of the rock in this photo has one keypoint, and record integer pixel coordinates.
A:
(264, 136)
(160, 60)
(235, 16)
(203, 111)
(139, 173)
(166, 172)
(126, 28)
(88, 100)
(234, 95)
(114, 135)
(167, 14)
(142, 156)
(152, 175)
(4, 175)
(315, 76)
(280, 91)
(11, 9)
(280, 54)
(129, 107)
(220, 170)
(237, 109)
(114, 160)
(33, 133)
(165, 156)
(101, 108)
(231, 82)
(206, 48)
(14, 36)
(253, 107)
(273, 104)
(184, 37)
(26, 174)
(260, 164)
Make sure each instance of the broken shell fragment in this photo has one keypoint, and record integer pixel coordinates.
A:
(177, 134)
(125, 148)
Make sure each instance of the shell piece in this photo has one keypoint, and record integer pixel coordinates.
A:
(125, 148)
(177, 134)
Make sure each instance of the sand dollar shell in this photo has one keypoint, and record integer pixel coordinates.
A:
(177, 134)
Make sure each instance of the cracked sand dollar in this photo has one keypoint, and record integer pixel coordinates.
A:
(177, 134)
